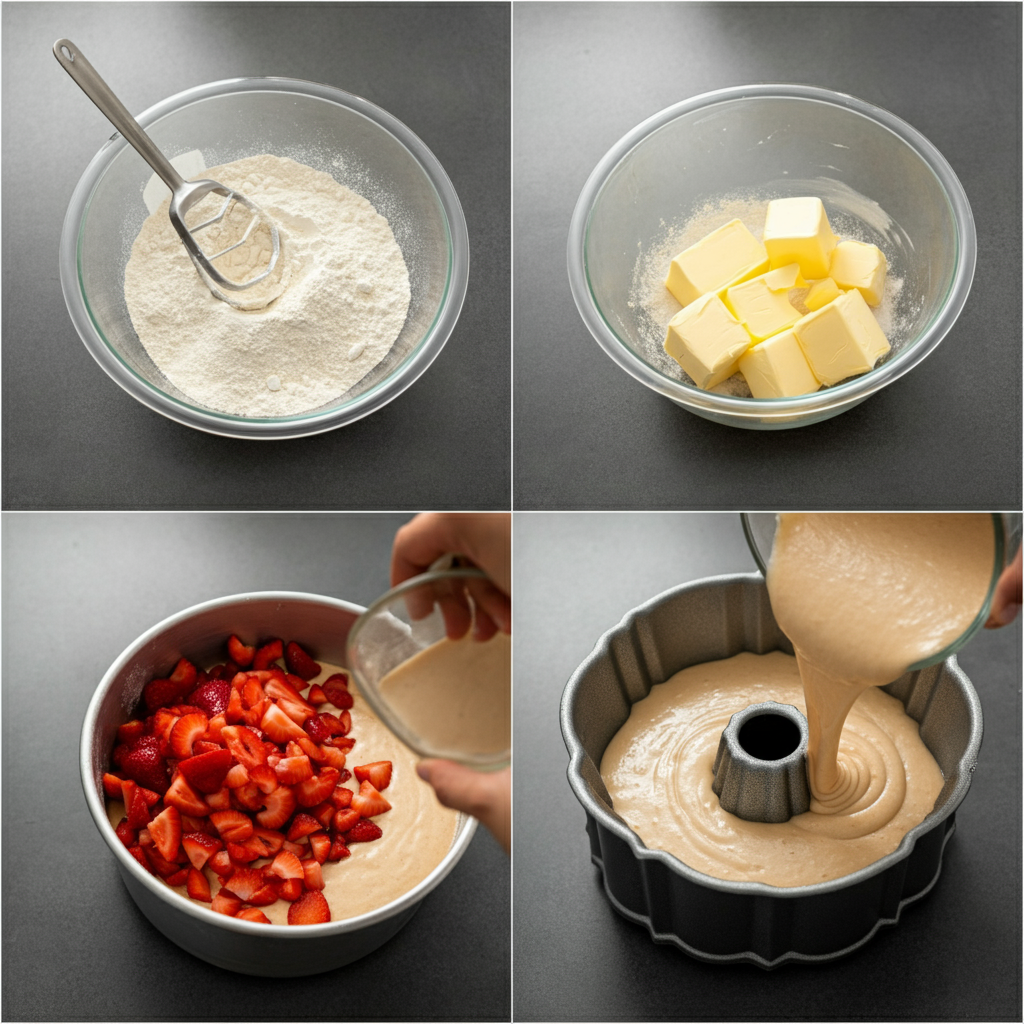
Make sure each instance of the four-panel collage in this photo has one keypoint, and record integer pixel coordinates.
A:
(511, 511)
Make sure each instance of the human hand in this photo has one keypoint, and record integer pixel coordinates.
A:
(1006, 600)
(485, 539)
(487, 796)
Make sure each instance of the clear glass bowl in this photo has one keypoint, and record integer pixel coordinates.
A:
(408, 619)
(357, 143)
(759, 529)
(768, 142)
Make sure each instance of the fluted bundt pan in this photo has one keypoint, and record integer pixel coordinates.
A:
(729, 922)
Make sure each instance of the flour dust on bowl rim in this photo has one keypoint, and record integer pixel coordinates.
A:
(749, 922)
(362, 146)
(764, 142)
(243, 946)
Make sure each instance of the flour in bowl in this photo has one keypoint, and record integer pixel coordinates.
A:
(338, 299)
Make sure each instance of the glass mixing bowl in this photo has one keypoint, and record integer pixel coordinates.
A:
(759, 529)
(879, 178)
(357, 143)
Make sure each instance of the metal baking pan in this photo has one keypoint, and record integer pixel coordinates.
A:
(749, 922)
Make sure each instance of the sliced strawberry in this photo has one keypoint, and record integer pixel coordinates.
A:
(265, 777)
(310, 908)
(345, 819)
(131, 730)
(334, 758)
(219, 801)
(342, 743)
(320, 846)
(272, 840)
(235, 711)
(137, 852)
(299, 849)
(268, 653)
(135, 805)
(211, 697)
(317, 730)
(377, 772)
(286, 865)
(144, 763)
(279, 727)
(292, 770)
(244, 882)
(299, 662)
(368, 802)
(225, 903)
(316, 695)
(252, 693)
(206, 772)
(279, 688)
(246, 747)
(126, 834)
(314, 877)
(233, 826)
(162, 693)
(185, 798)
(302, 825)
(184, 674)
(280, 804)
(239, 653)
(363, 832)
(253, 914)
(337, 692)
(339, 849)
(323, 813)
(290, 889)
(112, 785)
(238, 775)
(317, 789)
(198, 886)
(200, 847)
(342, 797)
(186, 731)
(220, 864)
(178, 878)
(165, 829)
(247, 797)
(297, 711)
(245, 853)
(264, 897)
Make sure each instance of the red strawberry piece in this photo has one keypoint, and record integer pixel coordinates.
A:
(335, 758)
(165, 829)
(226, 903)
(302, 825)
(336, 689)
(206, 772)
(268, 653)
(200, 847)
(245, 853)
(252, 693)
(363, 832)
(190, 823)
(217, 724)
(310, 908)
(135, 804)
(368, 802)
(286, 865)
(219, 801)
(137, 852)
(324, 813)
(316, 695)
(204, 747)
(314, 877)
(317, 789)
(290, 889)
(233, 826)
(265, 777)
(247, 797)
(131, 730)
(299, 662)
(279, 727)
(220, 864)
(163, 722)
(279, 807)
(318, 731)
(342, 797)
(186, 731)
(296, 711)
(272, 840)
(345, 819)
(245, 745)
(244, 882)
(126, 834)
(238, 775)
(112, 785)
(377, 772)
(185, 798)
(343, 743)
(184, 674)
(211, 697)
(179, 877)
(279, 688)
(253, 914)
(239, 653)
(345, 775)
(144, 763)
(264, 897)
(320, 846)
(235, 711)
(339, 849)
(291, 770)
(198, 886)
(162, 693)
(299, 849)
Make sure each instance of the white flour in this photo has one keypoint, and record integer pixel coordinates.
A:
(344, 298)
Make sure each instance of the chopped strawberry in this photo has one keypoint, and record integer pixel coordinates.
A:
(268, 653)
(165, 829)
(226, 903)
(219, 801)
(252, 693)
(135, 805)
(247, 797)
(233, 826)
(126, 834)
(310, 908)
(363, 832)
(345, 819)
(185, 798)
(112, 785)
(211, 697)
(299, 662)
(318, 731)
(342, 797)
(265, 777)
(144, 763)
(317, 789)
(377, 772)
(246, 747)
(286, 865)
(137, 852)
(323, 813)
(206, 772)
(220, 864)
(186, 731)
(279, 727)
(299, 849)
(335, 758)
(302, 825)
(314, 877)
(368, 802)
(339, 849)
(198, 886)
(253, 914)
(200, 847)
(291, 770)
(235, 711)
(272, 840)
(162, 693)
(244, 882)
(184, 674)
(336, 689)
(279, 688)
(279, 807)
(239, 653)
(178, 878)
(316, 695)
(264, 897)
(320, 846)
(290, 889)
(238, 775)
(131, 730)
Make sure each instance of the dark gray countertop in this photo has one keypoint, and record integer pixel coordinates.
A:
(955, 955)
(77, 590)
(72, 438)
(588, 436)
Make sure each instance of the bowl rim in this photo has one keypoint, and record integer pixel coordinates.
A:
(301, 424)
(820, 403)
(465, 826)
(642, 852)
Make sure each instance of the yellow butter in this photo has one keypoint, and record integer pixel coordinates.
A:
(822, 292)
(777, 368)
(841, 339)
(862, 266)
(706, 340)
(726, 256)
(762, 303)
(797, 231)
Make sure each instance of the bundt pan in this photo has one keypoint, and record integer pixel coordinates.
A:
(749, 922)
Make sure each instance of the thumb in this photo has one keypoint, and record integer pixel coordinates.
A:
(487, 796)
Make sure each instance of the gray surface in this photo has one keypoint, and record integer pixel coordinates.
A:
(946, 435)
(77, 590)
(71, 437)
(955, 955)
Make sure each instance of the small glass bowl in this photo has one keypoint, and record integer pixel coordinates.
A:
(359, 144)
(408, 619)
(759, 529)
(771, 142)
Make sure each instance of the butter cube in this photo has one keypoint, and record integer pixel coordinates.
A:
(822, 293)
(797, 231)
(762, 303)
(861, 266)
(841, 339)
(706, 340)
(727, 255)
(777, 368)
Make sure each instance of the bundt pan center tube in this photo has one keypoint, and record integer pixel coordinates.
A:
(749, 922)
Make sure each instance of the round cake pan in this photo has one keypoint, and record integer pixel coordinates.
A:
(749, 922)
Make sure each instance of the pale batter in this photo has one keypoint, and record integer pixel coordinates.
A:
(456, 694)
(418, 831)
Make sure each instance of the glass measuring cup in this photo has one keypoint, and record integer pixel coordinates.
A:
(413, 635)
(759, 529)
